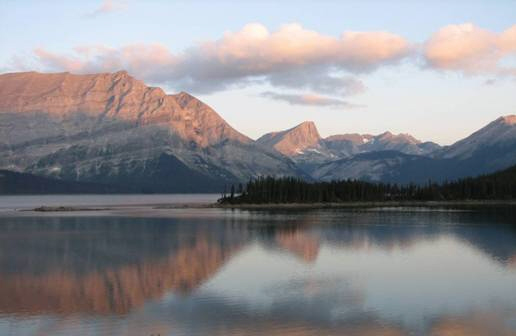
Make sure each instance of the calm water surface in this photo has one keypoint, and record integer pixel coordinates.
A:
(223, 272)
(22, 202)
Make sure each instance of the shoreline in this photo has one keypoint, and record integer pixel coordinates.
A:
(367, 204)
(273, 206)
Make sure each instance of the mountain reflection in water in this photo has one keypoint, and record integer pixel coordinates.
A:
(326, 272)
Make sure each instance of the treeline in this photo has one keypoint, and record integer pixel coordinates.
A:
(497, 186)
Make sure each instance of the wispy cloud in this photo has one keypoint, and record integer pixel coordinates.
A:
(308, 99)
(108, 6)
(314, 79)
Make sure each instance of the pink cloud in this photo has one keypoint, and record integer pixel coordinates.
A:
(470, 49)
(108, 6)
(291, 57)
(61, 62)
(255, 49)
(143, 60)
(246, 56)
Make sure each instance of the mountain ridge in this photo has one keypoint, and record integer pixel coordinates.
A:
(114, 95)
(294, 140)
(306, 147)
(113, 129)
(491, 148)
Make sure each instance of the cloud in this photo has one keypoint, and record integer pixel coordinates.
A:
(291, 57)
(108, 6)
(145, 61)
(255, 50)
(318, 81)
(471, 50)
(308, 99)
(58, 62)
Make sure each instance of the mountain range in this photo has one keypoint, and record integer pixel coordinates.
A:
(490, 149)
(309, 150)
(114, 131)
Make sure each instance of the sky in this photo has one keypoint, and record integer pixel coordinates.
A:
(438, 70)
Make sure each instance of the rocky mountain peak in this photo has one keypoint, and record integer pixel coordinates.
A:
(386, 134)
(306, 132)
(307, 126)
(294, 140)
(501, 132)
(509, 119)
(121, 73)
(402, 137)
(184, 98)
(118, 96)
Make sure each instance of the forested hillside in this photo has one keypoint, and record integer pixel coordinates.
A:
(497, 186)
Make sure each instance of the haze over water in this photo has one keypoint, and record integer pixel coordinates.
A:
(222, 272)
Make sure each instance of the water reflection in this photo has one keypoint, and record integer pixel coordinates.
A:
(103, 266)
(281, 273)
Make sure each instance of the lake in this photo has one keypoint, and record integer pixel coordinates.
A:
(387, 271)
